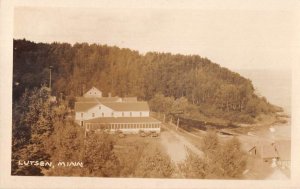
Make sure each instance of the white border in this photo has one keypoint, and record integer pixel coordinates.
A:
(6, 46)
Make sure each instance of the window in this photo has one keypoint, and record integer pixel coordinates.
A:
(99, 107)
(112, 114)
(93, 114)
(81, 114)
(140, 114)
(130, 114)
(102, 114)
(122, 114)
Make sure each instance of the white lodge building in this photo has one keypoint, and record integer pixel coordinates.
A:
(114, 113)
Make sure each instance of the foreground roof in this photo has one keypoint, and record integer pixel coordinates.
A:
(127, 106)
(130, 99)
(284, 149)
(268, 151)
(123, 120)
(84, 106)
(94, 99)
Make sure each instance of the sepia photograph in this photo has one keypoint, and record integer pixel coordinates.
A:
(168, 91)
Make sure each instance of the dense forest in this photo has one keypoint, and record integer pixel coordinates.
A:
(188, 83)
(191, 85)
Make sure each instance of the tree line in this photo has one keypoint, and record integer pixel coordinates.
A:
(212, 89)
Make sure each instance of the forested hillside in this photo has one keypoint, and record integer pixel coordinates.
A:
(170, 82)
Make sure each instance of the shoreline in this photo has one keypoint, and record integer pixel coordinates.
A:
(279, 120)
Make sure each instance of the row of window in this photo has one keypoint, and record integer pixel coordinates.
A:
(122, 126)
(112, 114)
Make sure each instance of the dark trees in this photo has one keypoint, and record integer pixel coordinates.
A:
(225, 161)
(154, 164)
(99, 158)
(124, 72)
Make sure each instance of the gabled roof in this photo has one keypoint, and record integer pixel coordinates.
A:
(284, 149)
(95, 90)
(108, 99)
(130, 99)
(84, 106)
(123, 120)
(85, 99)
(96, 99)
(127, 106)
(269, 151)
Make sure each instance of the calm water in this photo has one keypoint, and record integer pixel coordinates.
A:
(275, 85)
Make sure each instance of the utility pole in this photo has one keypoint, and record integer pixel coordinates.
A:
(50, 67)
(84, 130)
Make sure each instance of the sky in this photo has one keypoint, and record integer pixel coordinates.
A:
(236, 35)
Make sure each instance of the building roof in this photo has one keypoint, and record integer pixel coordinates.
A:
(284, 149)
(84, 106)
(269, 151)
(109, 99)
(96, 99)
(93, 88)
(127, 106)
(123, 120)
(85, 99)
(130, 99)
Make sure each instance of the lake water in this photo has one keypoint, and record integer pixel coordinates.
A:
(275, 85)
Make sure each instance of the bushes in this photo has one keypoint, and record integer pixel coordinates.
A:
(154, 164)
(225, 161)
(99, 157)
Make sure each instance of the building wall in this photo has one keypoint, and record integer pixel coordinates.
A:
(94, 112)
(131, 114)
(104, 111)
(125, 128)
(135, 131)
(93, 92)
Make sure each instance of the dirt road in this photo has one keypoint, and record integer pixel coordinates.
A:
(176, 145)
